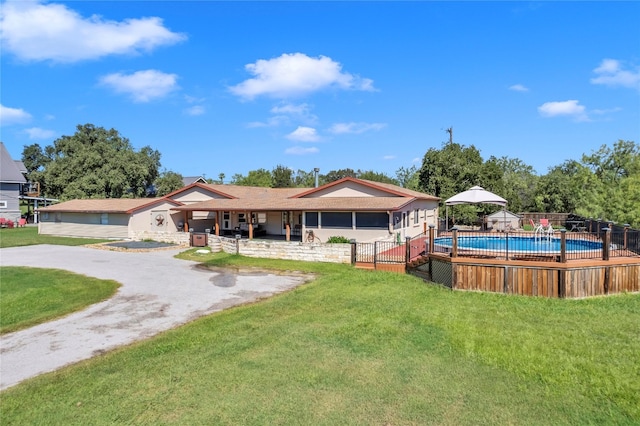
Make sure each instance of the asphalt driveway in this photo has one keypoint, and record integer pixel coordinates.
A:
(158, 293)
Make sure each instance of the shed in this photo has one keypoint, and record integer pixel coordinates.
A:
(503, 219)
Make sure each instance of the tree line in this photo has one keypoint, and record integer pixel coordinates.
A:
(99, 163)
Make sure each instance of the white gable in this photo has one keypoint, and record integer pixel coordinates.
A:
(195, 195)
(349, 189)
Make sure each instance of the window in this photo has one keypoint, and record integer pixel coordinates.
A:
(104, 219)
(372, 220)
(3, 204)
(337, 220)
(397, 218)
(258, 218)
(242, 217)
(311, 219)
(416, 216)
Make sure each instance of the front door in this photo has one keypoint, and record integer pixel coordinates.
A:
(226, 220)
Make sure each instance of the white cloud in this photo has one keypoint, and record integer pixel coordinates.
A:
(38, 32)
(389, 157)
(297, 74)
(142, 86)
(355, 128)
(13, 115)
(417, 160)
(519, 88)
(304, 134)
(195, 110)
(611, 73)
(38, 133)
(571, 108)
(298, 150)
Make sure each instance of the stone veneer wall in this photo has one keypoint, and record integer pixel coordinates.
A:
(182, 238)
(311, 252)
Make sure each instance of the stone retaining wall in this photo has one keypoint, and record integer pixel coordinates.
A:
(182, 238)
(310, 252)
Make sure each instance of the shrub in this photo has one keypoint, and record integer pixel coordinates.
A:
(338, 240)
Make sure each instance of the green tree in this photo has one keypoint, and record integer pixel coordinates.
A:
(35, 160)
(519, 182)
(335, 175)
(168, 182)
(375, 177)
(98, 163)
(454, 169)
(408, 177)
(303, 179)
(282, 177)
(260, 177)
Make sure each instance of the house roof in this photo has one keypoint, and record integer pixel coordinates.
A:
(106, 205)
(323, 203)
(9, 170)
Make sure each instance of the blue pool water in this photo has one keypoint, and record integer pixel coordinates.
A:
(518, 244)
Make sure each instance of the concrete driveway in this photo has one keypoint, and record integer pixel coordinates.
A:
(158, 293)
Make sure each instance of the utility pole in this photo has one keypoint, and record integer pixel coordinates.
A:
(450, 131)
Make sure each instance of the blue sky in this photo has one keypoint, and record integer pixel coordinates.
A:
(229, 87)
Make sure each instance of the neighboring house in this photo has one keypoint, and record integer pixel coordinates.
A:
(188, 180)
(11, 181)
(352, 208)
(503, 219)
(116, 218)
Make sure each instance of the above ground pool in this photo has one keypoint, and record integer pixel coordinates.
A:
(520, 244)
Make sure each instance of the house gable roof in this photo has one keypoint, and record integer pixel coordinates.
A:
(188, 180)
(9, 170)
(107, 205)
(207, 187)
(390, 189)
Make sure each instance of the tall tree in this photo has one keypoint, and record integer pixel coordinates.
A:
(282, 177)
(98, 163)
(260, 177)
(376, 177)
(303, 179)
(168, 182)
(335, 175)
(408, 177)
(519, 182)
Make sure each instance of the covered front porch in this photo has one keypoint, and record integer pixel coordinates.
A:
(274, 225)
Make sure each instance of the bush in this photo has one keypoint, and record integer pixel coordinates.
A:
(338, 240)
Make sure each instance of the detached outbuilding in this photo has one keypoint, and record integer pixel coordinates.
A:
(501, 220)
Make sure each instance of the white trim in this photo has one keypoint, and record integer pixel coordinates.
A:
(4, 204)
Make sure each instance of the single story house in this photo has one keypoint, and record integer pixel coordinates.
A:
(352, 208)
(503, 219)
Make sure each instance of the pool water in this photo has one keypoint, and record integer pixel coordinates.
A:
(518, 244)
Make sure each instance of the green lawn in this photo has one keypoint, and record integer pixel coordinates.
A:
(32, 296)
(361, 347)
(28, 236)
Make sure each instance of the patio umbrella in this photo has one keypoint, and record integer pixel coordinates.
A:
(475, 195)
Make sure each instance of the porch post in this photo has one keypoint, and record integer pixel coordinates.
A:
(288, 231)
(186, 221)
(217, 224)
(250, 226)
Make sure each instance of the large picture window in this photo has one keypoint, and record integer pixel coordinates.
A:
(311, 219)
(336, 220)
(372, 220)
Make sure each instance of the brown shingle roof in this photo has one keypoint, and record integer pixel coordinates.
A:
(106, 205)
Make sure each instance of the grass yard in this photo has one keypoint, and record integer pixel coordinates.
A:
(361, 347)
(32, 296)
(28, 236)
